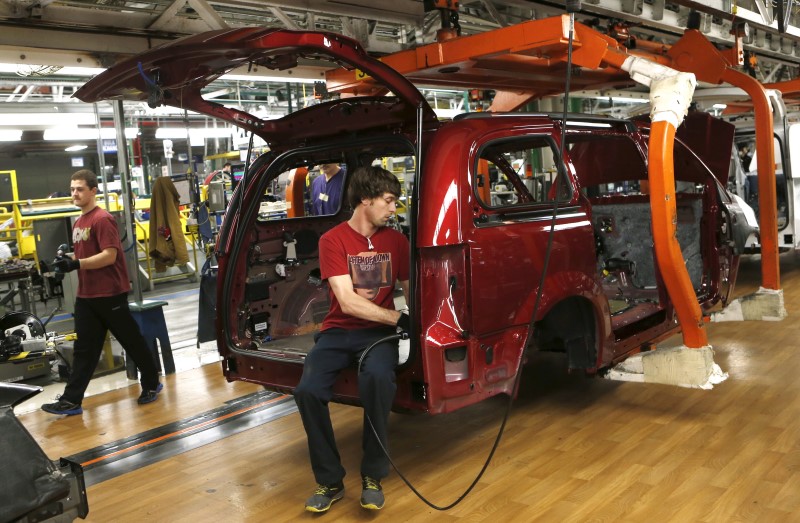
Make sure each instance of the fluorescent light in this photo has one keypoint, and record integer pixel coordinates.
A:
(625, 99)
(170, 133)
(50, 119)
(719, 106)
(274, 79)
(76, 148)
(10, 135)
(69, 134)
(587, 124)
(161, 110)
(64, 71)
(178, 133)
(81, 71)
(593, 95)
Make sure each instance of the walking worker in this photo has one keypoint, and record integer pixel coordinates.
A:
(361, 259)
(102, 299)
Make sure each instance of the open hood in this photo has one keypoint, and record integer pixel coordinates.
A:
(174, 74)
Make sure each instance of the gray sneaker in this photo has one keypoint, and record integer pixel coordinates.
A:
(324, 497)
(372, 493)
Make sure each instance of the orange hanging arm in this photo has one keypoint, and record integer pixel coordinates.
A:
(668, 251)
(668, 96)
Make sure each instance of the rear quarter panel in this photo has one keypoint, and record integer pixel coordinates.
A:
(478, 284)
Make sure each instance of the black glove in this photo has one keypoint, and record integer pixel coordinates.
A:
(404, 323)
(66, 264)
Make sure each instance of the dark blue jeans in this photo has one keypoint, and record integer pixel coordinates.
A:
(335, 350)
(93, 318)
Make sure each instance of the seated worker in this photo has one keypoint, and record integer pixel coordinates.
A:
(326, 189)
(362, 260)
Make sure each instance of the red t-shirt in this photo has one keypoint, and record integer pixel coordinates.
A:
(94, 231)
(374, 271)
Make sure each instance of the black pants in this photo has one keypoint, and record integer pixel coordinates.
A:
(336, 349)
(93, 317)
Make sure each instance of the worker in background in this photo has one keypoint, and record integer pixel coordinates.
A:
(224, 175)
(326, 189)
(361, 259)
(102, 299)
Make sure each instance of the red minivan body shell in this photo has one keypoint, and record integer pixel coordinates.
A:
(476, 271)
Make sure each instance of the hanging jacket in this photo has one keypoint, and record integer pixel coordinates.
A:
(167, 242)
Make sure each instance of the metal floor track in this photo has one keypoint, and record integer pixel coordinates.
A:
(126, 455)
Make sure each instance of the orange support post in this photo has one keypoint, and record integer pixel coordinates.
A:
(767, 190)
(485, 189)
(668, 250)
(295, 193)
(694, 53)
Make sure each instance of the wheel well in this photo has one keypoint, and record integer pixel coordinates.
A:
(569, 327)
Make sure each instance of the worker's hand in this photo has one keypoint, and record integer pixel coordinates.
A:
(404, 324)
(66, 264)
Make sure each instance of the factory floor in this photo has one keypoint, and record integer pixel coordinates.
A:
(574, 449)
(180, 314)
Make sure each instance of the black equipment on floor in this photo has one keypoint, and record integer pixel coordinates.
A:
(32, 487)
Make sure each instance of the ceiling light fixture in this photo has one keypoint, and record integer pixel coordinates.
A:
(72, 148)
(54, 70)
(274, 79)
(178, 133)
(48, 119)
(71, 134)
(36, 70)
(629, 100)
(581, 123)
(10, 135)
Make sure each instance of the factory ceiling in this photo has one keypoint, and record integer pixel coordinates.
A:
(42, 42)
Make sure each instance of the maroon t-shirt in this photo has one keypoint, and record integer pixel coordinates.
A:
(374, 271)
(94, 231)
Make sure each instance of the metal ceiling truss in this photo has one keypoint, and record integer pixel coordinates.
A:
(99, 32)
(385, 26)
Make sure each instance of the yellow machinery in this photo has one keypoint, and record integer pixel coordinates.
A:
(18, 216)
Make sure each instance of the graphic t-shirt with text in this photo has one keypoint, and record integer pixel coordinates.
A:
(374, 271)
(92, 233)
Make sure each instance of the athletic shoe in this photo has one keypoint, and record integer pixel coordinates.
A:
(149, 396)
(62, 406)
(372, 493)
(324, 497)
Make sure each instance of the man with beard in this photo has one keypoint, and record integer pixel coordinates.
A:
(361, 259)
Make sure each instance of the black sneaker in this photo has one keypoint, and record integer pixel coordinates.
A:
(62, 406)
(372, 493)
(149, 396)
(324, 497)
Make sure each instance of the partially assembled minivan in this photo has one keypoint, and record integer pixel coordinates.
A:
(484, 195)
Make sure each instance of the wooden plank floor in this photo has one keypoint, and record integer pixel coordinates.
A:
(575, 449)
